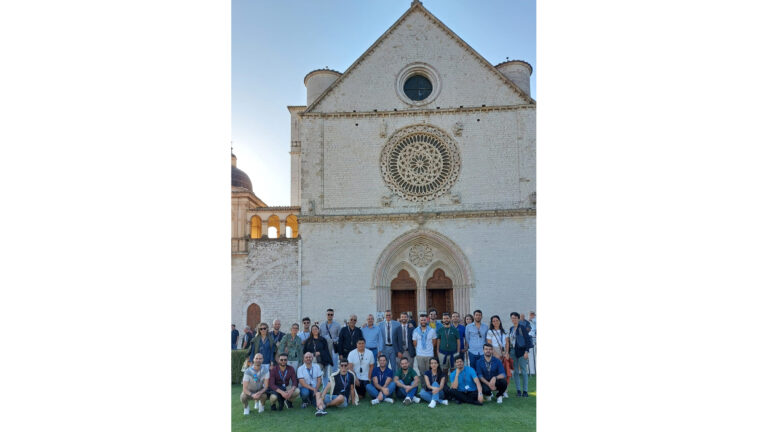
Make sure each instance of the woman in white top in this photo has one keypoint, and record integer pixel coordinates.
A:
(497, 337)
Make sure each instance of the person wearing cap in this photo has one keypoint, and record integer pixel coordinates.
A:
(283, 384)
(255, 384)
(340, 390)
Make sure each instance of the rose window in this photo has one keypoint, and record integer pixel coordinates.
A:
(420, 163)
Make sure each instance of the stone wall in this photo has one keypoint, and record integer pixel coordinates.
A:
(268, 276)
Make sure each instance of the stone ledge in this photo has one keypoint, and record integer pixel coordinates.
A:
(416, 112)
(418, 216)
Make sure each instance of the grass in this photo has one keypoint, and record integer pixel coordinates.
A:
(515, 414)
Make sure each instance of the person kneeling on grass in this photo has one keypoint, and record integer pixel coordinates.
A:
(310, 379)
(340, 390)
(464, 385)
(491, 374)
(406, 382)
(435, 381)
(382, 386)
(283, 384)
(255, 384)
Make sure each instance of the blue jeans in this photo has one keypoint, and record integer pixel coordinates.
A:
(307, 396)
(521, 368)
(374, 392)
(473, 358)
(389, 351)
(375, 351)
(411, 393)
(429, 396)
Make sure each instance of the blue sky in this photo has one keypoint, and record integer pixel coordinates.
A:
(276, 43)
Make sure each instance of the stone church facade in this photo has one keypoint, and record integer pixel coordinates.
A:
(413, 185)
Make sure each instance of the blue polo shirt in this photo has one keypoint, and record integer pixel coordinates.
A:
(466, 379)
(496, 368)
(381, 375)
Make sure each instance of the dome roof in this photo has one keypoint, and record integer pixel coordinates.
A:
(239, 177)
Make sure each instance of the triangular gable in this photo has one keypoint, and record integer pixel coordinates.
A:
(417, 6)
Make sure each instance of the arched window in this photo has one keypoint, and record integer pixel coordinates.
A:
(292, 224)
(255, 227)
(273, 226)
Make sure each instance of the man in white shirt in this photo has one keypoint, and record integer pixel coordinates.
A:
(310, 379)
(361, 362)
(255, 384)
(424, 338)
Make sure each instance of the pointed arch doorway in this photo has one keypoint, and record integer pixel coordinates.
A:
(440, 293)
(421, 253)
(403, 289)
(253, 316)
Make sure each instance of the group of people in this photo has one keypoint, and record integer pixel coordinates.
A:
(433, 360)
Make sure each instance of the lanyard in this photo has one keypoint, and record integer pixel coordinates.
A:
(282, 375)
(423, 335)
(343, 382)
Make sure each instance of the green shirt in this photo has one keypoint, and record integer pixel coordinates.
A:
(407, 379)
(448, 338)
(294, 348)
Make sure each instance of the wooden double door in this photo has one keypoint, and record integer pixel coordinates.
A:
(439, 294)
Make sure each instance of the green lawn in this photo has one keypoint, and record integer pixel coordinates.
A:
(515, 414)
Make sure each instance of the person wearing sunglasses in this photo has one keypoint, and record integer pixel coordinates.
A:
(339, 392)
(264, 344)
(283, 384)
(330, 331)
(348, 337)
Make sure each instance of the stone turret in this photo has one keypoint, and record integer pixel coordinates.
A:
(318, 81)
(519, 72)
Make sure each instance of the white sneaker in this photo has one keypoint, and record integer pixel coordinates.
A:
(432, 404)
(499, 400)
(444, 402)
(407, 401)
(261, 407)
(506, 395)
(374, 401)
(246, 411)
(389, 400)
(416, 399)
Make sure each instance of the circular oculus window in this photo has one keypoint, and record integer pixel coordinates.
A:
(420, 163)
(417, 84)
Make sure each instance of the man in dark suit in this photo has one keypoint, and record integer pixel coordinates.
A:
(406, 348)
(392, 339)
(348, 337)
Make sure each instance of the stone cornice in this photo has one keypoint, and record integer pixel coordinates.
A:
(418, 217)
(416, 112)
(277, 208)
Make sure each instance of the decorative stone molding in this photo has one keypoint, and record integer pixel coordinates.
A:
(416, 217)
(458, 127)
(420, 163)
(416, 112)
(386, 201)
(420, 255)
(455, 198)
(383, 129)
